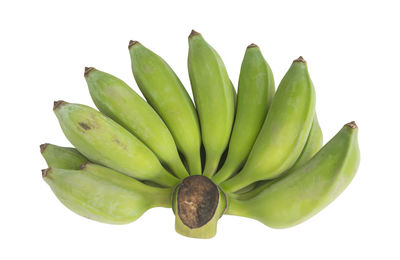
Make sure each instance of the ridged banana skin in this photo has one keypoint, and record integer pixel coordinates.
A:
(255, 92)
(284, 132)
(117, 100)
(166, 94)
(104, 195)
(62, 157)
(300, 195)
(313, 145)
(214, 98)
(105, 142)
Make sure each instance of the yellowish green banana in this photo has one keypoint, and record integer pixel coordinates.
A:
(104, 195)
(255, 92)
(214, 97)
(284, 132)
(298, 196)
(117, 100)
(62, 157)
(166, 94)
(104, 141)
(312, 146)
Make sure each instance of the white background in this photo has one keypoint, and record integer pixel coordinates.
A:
(352, 49)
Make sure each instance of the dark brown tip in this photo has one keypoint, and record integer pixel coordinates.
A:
(253, 45)
(43, 147)
(88, 70)
(45, 171)
(83, 166)
(352, 124)
(193, 33)
(300, 59)
(131, 43)
(58, 103)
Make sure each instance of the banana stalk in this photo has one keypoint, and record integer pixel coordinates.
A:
(198, 204)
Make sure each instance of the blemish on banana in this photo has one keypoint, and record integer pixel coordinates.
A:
(84, 126)
(121, 144)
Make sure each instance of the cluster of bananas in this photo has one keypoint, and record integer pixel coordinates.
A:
(256, 154)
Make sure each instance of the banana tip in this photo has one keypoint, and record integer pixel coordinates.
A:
(131, 43)
(88, 70)
(300, 59)
(45, 172)
(253, 45)
(43, 147)
(352, 124)
(58, 104)
(193, 33)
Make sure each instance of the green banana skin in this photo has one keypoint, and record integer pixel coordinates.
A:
(214, 97)
(255, 92)
(303, 193)
(117, 100)
(104, 195)
(313, 145)
(62, 157)
(284, 132)
(103, 141)
(166, 94)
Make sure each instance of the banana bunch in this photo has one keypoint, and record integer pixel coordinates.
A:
(257, 154)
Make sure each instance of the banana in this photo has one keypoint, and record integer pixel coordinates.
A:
(166, 94)
(62, 157)
(104, 195)
(284, 132)
(103, 141)
(117, 100)
(214, 97)
(298, 196)
(255, 93)
(312, 146)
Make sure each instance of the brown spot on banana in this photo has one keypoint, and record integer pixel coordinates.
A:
(84, 125)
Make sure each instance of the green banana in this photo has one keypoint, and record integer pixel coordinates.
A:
(104, 195)
(214, 97)
(255, 92)
(105, 142)
(117, 100)
(298, 196)
(166, 94)
(62, 157)
(312, 146)
(284, 132)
